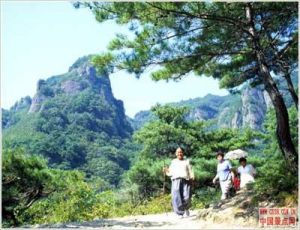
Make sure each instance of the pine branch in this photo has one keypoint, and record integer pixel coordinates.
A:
(237, 23)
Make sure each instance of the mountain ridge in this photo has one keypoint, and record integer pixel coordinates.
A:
(246, 108)
(75, 122)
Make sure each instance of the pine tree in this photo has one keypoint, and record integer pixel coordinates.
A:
(237, 43)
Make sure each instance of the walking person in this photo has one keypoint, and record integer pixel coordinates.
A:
(182, 176)
(247, 172)
(224, 174)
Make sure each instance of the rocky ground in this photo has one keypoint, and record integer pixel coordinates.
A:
(154, 221)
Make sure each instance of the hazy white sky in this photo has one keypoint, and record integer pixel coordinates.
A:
(40, 39)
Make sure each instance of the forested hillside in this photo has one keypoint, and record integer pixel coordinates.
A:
(73, 121)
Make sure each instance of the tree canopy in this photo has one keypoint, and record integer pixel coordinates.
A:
(237, 43)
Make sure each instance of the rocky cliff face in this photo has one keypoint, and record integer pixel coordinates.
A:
(247, 109)
(80, 80)
(81, 75)
(10, 117)
(254, 108)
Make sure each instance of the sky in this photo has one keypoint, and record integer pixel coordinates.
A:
(40, 39)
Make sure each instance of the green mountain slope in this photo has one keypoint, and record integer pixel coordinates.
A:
(75, 122)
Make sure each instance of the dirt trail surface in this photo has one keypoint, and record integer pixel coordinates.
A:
(153, 221)
(236, 213)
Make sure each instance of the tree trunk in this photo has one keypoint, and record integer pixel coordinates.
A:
(283, 129)
(291, 88)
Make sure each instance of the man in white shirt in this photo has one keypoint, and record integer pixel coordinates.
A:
(182, 175)
(247, 172)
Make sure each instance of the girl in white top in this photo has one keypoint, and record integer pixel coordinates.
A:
(247, 172)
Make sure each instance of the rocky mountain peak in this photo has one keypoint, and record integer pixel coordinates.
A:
(247, 109)
(254, 107)
(80, 76)
(24, 102)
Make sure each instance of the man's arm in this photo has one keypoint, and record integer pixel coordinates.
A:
(169, 173)
(238, 171)
(254, 172)
(168, 170)
(231, 169)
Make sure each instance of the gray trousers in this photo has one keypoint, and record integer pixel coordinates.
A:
(225, 186)
(181, 195)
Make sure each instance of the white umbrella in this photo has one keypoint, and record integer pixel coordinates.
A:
(235, 154)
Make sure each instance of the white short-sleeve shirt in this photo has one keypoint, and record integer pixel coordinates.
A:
(247, 174)
(180, 169)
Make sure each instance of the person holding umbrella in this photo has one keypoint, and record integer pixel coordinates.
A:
(182, 176)
(224, 174)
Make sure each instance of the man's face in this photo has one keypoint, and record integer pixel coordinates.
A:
(179, 154)
(243, 163)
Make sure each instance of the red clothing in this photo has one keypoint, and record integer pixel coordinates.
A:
(236, 183)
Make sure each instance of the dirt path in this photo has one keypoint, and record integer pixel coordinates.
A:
(153, 221)
(236, 213)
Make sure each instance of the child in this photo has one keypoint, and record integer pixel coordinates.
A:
(236, 181)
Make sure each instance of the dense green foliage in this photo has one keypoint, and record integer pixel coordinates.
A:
(85, 128)
(275, 181)
(34, 193)
(161, 137)
(27, 180)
